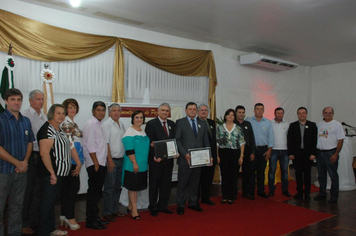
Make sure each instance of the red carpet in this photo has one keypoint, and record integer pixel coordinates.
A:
(244, 217)
(292, 190)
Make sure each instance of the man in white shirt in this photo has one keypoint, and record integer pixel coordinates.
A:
(32, 193)
(95, 150)
(330, 140)
(114, 130)
(279, 152)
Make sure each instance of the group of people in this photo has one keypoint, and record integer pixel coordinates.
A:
(301, 141)
(40, 161)
(41, 158)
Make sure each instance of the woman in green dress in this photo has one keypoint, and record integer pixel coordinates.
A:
(135, 165)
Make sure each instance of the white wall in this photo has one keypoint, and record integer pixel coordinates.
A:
(249, 85)
(236, 84)
(334, 85)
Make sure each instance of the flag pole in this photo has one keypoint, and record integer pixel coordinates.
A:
(7, 78)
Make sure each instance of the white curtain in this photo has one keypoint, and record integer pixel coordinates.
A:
(163, 86)
(93, 77)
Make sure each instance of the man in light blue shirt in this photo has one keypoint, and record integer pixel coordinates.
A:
(263, 132)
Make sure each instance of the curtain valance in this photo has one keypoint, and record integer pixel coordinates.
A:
(39, 41)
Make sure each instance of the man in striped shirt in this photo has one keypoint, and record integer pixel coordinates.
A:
(16, 139)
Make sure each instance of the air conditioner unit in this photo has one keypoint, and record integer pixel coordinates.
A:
(266, 61)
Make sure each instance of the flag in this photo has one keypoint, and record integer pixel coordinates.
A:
(7, 80)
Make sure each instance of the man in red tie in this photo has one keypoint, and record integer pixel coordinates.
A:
(160, 170)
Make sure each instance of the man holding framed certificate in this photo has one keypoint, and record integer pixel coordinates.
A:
(191, 133)
(161, 131)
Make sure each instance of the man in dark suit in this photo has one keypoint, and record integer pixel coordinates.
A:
(301, 142)
(160, 170)
(248, 175)
(191, 133)
(207, 172)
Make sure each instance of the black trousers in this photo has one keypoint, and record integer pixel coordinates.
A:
(302, 165)
(206, 180)
(229, 166)
(70, 189)
(248, 184)
(259, 166)
(49, 196)
(160, 179)
(31, 201)
(95, 183)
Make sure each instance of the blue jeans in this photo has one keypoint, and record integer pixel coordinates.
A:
(282, 156)
(324, 165)
(112, 186)
(13, 186)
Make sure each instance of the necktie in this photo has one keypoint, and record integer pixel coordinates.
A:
(194, 128)
(165, 128)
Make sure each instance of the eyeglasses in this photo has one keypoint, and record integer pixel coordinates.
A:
(328, 113)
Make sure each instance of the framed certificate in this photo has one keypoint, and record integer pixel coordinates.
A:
(200, 157)
(166, 149)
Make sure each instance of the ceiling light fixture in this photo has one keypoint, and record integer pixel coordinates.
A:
(75, 3)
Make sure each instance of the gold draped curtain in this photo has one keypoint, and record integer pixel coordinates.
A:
(39, 41)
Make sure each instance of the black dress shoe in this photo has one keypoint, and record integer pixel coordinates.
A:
(223, 201)
(102, 221)
(332, 200)
(95, 225)
(166, 211)
(319, 197)
(208, 202)
(298, 196)
(153, 213)
(251, 197)
(271, 193)
(196, 208)
(307, 196)
(264, 195)
(180, 210)
(109, 218)
(230, 202)
(286, 193)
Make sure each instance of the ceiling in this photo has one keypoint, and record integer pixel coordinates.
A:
(308, 32)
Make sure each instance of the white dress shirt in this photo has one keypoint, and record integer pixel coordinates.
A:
(114, 134)
(36, 122)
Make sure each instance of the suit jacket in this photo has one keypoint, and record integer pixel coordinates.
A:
(187, 140)
(155, 132)
(212, 139)
(309, 140)
(249, 136)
